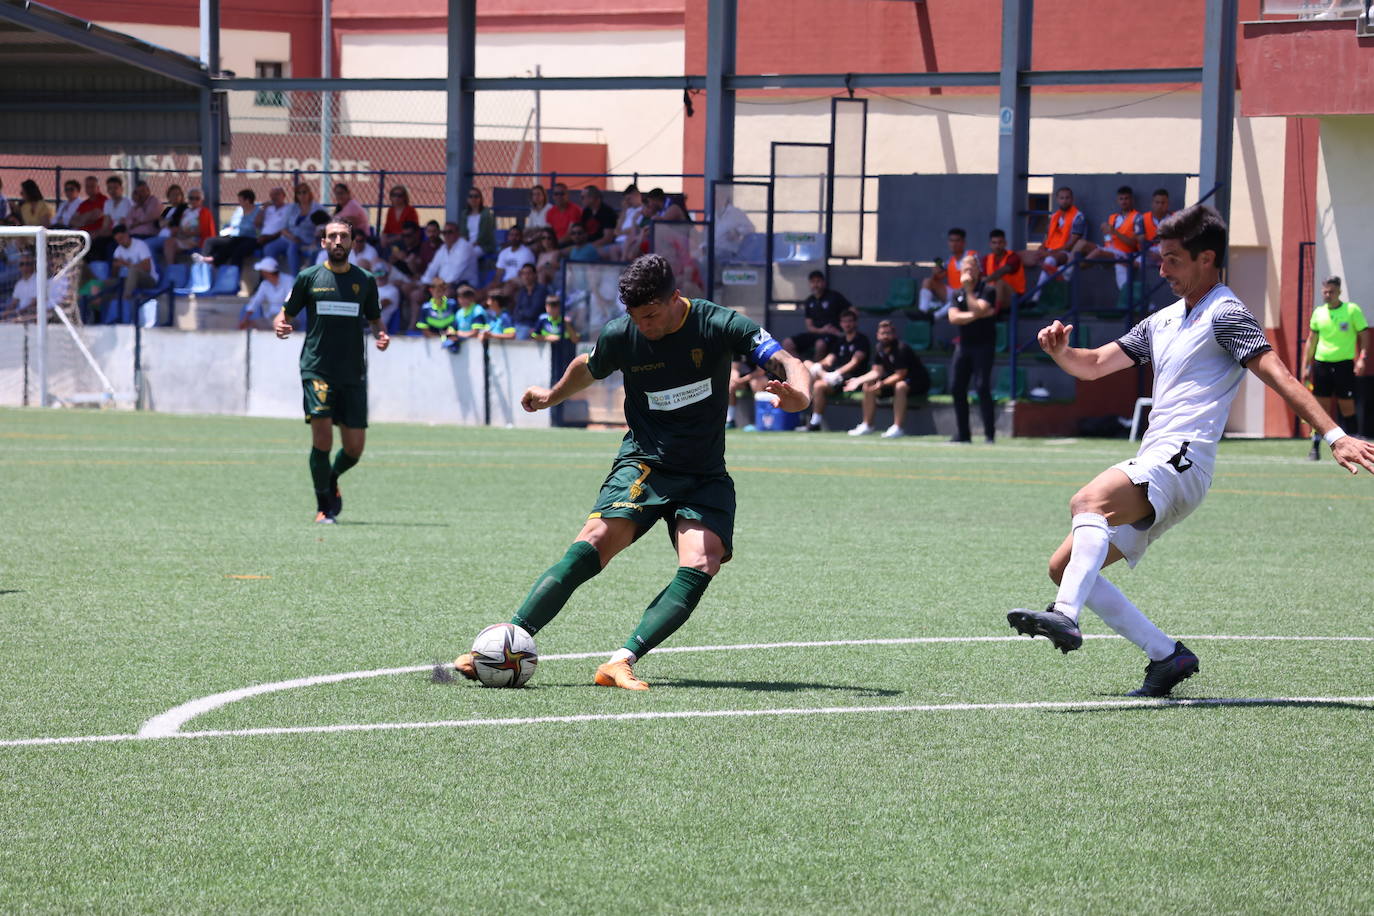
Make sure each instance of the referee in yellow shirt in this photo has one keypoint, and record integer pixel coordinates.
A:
(1330, 362)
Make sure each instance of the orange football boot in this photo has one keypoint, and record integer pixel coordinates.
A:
(618, 674)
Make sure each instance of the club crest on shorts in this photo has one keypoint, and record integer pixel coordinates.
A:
(697, 355)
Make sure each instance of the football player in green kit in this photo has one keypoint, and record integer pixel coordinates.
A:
(334, 296)
(675, 354)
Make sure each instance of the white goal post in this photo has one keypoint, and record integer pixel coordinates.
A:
(58, 284)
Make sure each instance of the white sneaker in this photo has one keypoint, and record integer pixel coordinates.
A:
(893, 432)
(863, 429)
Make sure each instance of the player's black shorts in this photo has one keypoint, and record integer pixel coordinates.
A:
(644, 495)
(346, 404)
(1333, 380)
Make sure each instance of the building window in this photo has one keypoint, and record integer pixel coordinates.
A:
(269, 69)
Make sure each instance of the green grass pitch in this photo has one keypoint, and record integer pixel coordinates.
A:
(150, 560)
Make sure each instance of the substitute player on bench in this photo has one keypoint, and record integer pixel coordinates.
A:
(675, 354)
(334, 295)
(1200, 348)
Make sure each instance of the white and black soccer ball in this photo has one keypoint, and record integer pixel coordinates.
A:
(504, 656)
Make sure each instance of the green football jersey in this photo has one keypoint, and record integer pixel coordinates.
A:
(1337, 330)
(676, 388)
(334, 303)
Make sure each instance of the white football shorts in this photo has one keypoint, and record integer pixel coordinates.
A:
(1174, 486)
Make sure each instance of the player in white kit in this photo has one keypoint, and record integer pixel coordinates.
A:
(1200, 347)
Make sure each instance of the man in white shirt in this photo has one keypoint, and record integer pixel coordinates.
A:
(510, 258)
(116, 213)
(273, 218)
(388, 293)
(25, 293)
(454, 262)
(268, 298)
(1200, 348)
(134, 261)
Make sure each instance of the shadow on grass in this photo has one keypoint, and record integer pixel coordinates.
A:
(773, 686)
(1214, 703)
(353, 523)
(11, 591)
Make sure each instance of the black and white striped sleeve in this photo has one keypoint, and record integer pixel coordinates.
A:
(1237, 331)
(1136, 343)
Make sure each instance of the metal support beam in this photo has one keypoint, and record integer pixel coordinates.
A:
(209, 106)
(104, 41)
(1013, 121)
(1218, 103)
(459, 142)
(721, 22)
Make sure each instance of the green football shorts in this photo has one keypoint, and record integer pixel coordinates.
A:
(644, 495)
(346, 404)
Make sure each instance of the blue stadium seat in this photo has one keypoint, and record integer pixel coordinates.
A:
(226, 281)
(918, 334)
(199, 279)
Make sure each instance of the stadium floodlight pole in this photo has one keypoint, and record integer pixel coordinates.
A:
(1013, 121)
(40, 308)
(1218, 102)
(209, 110)
(721, 26)
(326, 116)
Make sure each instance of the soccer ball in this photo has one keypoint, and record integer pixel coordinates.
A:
(504, 656)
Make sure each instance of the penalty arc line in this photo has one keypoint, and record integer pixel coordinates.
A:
(170, 722)
(1143, 703)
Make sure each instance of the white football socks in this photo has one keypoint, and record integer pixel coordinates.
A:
(730, 414)
(630, 657)
(1116, 610)
(1089, 553)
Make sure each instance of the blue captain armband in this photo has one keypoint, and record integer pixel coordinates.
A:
(764, 350)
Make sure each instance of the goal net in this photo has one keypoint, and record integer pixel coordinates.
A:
(42, 339)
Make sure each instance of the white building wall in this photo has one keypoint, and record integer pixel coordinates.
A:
(1345, 207)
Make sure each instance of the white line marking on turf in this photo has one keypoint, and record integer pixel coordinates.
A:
(171, 721)
(702, 714)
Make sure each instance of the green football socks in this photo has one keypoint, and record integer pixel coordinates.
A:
(342, 462)
(553, 589)
(669, 610)
(319, 470)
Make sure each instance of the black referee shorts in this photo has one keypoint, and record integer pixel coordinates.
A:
(1334, 380)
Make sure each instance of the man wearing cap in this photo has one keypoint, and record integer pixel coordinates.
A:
(268, 298)
(134, 260)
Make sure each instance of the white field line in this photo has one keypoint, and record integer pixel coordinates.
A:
(703, 714)
(169, 723)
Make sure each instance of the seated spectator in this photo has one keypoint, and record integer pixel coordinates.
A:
(470, 317)
(529, 302)
(497, 324)
(454, 262)
(389, 297)
(1121, 240)
(132, 260)
(1148, 227)
(597, 220)
(743, 373)
(666, 208)
(433, 234)
(1063, 238)
(639, 238)
(299, 241)
(349, 210)
(143, 212)
(272, 220)
(821, 311)
(7, 215)
(848, 359)
(408, 257)
(478, 224)
(364, 255)
(937, 290)
(194, 228)
(24, 296)
(538, 216)
(34, 209)
(90, 214)
(437, 316)
(66, 210)
(563, 214)
(897, 373)
(515, 255)
(397, 215)
(551, 324)
(548, 259)
(731, 227)
(579, 247)
(1003, 269)
(632, 206)
(115, 212)
(269, 297)
(238, 238)
(92, 296)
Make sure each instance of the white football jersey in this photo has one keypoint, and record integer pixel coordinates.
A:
(1198, 358)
